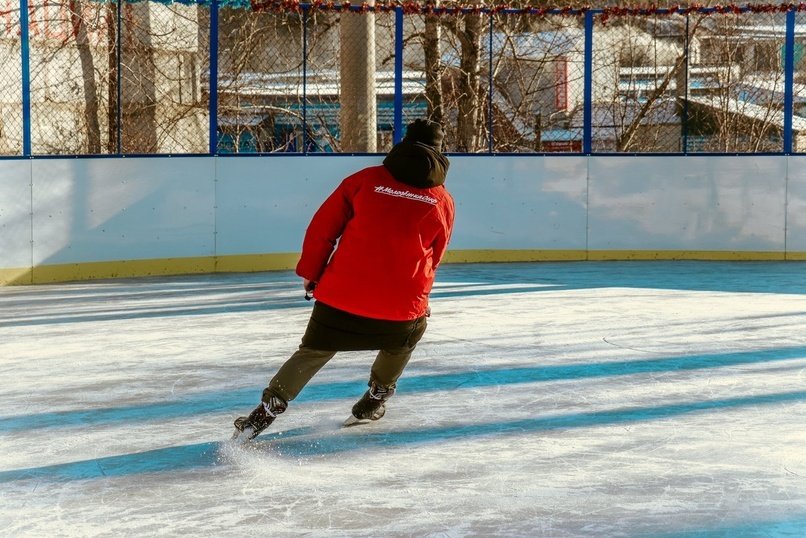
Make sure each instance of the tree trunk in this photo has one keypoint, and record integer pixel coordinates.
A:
(433, 69)
(470, 36)
(357, 95)
(88, 76)
(112, 144)
(139, 108)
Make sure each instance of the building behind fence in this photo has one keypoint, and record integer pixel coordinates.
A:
(104, 78)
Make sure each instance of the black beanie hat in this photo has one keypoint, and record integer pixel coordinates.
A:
(426, 132)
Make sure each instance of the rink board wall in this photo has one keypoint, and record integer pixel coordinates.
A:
(72, 219)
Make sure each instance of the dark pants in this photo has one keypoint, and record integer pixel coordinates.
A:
(389, 363)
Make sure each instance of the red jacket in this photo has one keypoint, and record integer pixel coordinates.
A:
(391, 237)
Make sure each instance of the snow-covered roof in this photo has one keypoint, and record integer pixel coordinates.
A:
(749, 110)
(319, 84)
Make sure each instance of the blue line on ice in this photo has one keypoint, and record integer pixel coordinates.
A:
(297, 444)
(244, 399)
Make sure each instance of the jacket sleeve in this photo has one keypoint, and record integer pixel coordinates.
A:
(324, 230)
(440, 244)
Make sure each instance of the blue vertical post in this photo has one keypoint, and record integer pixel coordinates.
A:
(490, 84)
(789, 77)
(213, 90)
(118, 67)
(305, 78)
(397, 128)
(25, 58)
(684, 111)
(587, 128)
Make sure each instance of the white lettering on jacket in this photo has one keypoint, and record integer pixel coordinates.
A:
(380, 189)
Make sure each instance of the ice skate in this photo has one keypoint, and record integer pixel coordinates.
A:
(247, 428)
(371, 406)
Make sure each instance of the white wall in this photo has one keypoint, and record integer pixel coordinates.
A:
(121, 209)
(796, 205)
(264, 204)
(687, 203)
(78, 211)
(533, 203)
(15, 213)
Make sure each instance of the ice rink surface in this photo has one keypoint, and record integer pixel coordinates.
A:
(651, 399)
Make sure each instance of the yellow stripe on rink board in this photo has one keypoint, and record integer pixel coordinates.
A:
(44, 274)
(704, 255)
(493, 255)
(248, 263)
(12, 276)
(160, 267)
(482, 256)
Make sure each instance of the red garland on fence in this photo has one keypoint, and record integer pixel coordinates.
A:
(730, 9)
(454, 8)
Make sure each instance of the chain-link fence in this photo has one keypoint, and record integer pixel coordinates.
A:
(285, 83)
(735, 81)
(103, 78)
(92, 77)
(11, 80)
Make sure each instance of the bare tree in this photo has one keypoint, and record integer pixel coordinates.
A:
(433, 67)
(731, 113)
(111, 12)
(467, 29)
(747, 108)
(88, 77)
(627, 137)
(278, 71)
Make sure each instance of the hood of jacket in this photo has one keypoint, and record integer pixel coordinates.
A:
(417, 164)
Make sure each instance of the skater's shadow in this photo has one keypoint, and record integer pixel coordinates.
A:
(160, 460)
(366, 439)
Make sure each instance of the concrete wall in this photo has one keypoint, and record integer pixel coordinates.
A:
(69, 219)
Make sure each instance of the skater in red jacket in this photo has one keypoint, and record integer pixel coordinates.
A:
(392, 224)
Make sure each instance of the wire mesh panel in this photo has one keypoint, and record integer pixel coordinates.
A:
(134, 77)
(538, 83)
(307, 80)
(638, 72)
(94, 91)
(68, 46)
(446, 75)
(385, 59)
(260, 81)
(161, 104)
(466, 82)
(328, 34)
(351, 80)
(10, 79)
(736, 83)
(799, 89)
(425, 72)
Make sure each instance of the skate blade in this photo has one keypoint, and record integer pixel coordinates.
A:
(352, 421)
(243, 436)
